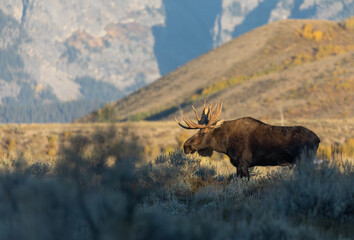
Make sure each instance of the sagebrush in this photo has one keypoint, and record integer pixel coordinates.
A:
(82, 197)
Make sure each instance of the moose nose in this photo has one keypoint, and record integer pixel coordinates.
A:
(187, 149)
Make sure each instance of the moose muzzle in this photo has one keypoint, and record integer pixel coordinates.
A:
(188, 149)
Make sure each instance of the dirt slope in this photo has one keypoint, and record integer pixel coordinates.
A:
(292, 69)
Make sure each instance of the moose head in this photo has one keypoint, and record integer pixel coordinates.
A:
(204, 140)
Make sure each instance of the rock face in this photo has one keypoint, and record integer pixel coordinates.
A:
(48, 49)
(240, 16)
(110, 41)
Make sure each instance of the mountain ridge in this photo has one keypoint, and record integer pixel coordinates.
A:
(46, 46)
(309, 51)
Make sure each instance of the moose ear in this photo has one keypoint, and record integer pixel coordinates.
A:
(218, 123)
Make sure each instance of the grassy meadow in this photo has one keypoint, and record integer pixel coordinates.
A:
(95, 182)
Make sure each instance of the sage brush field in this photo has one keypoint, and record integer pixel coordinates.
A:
(86, 196)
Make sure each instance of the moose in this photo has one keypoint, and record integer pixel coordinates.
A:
(248, 142)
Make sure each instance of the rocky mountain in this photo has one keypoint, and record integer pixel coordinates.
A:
(61, 59)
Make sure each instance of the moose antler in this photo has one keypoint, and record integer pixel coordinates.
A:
(207, 118)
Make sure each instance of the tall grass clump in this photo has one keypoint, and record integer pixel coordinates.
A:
(175, 172)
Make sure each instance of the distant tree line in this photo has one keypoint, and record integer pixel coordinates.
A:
(42, 113)
(93, 89)
(45, 107)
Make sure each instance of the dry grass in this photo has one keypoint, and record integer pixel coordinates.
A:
(42, 142)
(106, 196)
(258, 74)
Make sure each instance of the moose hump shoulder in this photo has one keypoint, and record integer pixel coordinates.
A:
(247, 141)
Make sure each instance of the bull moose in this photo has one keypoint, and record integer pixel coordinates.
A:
(248, 142)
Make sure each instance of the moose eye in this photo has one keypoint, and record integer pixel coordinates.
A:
(202, 134)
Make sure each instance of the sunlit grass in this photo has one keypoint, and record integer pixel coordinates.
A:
(96, 190)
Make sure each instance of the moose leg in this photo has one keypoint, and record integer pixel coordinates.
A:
(247, 173)
(234, 161)
(239, 172)
(242, 171)
(244, 163)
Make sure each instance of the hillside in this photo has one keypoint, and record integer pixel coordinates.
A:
(59, 60)
(295, 68)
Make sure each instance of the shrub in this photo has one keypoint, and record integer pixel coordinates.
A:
(308, 32)
(348, 23)
(317, 192)
(106, 114)
(174, 198)
(177, 172)
(348, 147)
(11, 145)
(38, 169)
(52, 146)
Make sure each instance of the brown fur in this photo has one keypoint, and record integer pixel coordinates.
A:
(249, 142)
